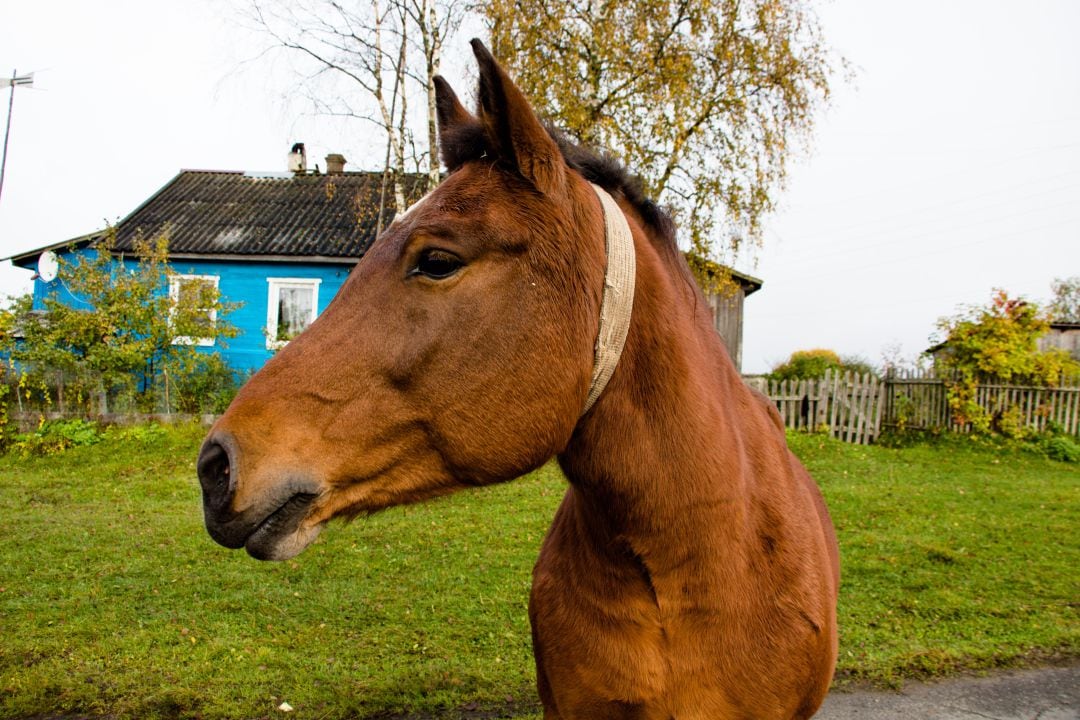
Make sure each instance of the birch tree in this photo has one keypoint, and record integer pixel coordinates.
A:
(365, 60)
(705, 99)
(1065, 304)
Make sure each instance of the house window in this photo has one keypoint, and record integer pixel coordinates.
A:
(200, 291)
(293, 304)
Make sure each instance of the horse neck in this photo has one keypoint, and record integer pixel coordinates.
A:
(660, 454)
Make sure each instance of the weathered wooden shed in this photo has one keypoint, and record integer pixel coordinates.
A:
(726, 291)
(1063, 336)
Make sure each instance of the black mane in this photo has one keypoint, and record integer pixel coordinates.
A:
(603, 169)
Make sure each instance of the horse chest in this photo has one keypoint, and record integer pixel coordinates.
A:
(612, 641)
(600, 633)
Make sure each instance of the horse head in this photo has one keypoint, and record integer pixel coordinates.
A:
(457, 353)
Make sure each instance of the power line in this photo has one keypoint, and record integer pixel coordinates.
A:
(939, 230)
(895, 259)
(952, 203)
(966, 172)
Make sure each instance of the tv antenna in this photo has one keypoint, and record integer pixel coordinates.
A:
(15, 81)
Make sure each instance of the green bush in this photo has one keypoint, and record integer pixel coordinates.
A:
(203, 383)
(126, 339)
(7, 427)
(1051, 443)
(810, 364)
(996, 343)
(1062, 448)
(142, 434)
(56, 436)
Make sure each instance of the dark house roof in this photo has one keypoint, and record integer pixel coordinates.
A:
(223, 213)
(248, 216)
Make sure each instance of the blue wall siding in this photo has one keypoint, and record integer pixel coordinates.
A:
(240, 282)
(56, 289)
(246, 282)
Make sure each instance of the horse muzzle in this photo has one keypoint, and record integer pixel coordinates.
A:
(272, 528)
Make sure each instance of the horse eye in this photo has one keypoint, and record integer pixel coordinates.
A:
(437, 264)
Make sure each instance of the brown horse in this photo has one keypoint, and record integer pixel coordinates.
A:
(691, 571)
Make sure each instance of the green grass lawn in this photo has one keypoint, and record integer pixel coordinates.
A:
(114, 601)
(954, 556)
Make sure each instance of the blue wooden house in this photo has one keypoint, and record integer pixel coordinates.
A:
(280, 245)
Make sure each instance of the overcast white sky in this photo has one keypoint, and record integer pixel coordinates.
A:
(950, 166)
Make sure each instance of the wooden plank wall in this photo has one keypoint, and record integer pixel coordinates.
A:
(858, 408)
(727, 312)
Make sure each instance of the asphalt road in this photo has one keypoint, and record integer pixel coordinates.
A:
(1043, 694)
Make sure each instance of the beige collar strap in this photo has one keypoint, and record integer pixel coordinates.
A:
(618, 298)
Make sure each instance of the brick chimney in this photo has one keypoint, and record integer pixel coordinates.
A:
(335, 164)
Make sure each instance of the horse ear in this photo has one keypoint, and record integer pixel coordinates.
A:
(461, 135)
(513, 129)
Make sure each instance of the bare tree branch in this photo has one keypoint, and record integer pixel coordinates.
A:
(367, 60)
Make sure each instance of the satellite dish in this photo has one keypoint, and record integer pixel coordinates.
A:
(47, 266)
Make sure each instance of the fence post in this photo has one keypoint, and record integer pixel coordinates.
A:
(821, 418)
(882, 398)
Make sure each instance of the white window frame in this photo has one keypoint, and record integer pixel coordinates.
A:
(273, 298)
(175, 280)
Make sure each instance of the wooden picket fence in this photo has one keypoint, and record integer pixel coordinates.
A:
(858, 408)
(918, 401)
(846, 405)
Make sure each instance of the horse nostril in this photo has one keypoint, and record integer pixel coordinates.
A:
(215, 473)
